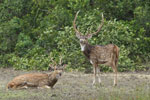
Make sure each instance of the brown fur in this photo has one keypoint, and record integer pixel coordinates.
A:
(35, 80)
(103, 54)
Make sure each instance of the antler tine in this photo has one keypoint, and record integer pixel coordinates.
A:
(60, 60)
(74, 25)
(53, 63)
(100, 26)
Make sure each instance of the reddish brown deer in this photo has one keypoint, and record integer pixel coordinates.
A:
(97, 54)
(39, 80)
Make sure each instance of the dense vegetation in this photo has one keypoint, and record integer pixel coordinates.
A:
(34, 31)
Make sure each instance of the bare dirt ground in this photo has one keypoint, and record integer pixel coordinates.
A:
(78, 86)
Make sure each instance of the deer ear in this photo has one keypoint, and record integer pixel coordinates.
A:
(88, 36)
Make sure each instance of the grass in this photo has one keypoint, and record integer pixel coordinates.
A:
(78, 86)
(12, 95)
(139, 93)
(113, 93)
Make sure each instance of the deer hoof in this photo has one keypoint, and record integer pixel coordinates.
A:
(93, 83)
(101, 84)
(115, 85)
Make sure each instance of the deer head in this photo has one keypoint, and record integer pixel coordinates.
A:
(84, 38)
(57, 68)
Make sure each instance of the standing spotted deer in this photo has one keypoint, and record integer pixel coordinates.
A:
(97, 54)
(39, 80)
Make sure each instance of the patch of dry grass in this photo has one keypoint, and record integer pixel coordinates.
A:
(78, 86)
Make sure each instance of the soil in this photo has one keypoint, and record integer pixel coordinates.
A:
(78, 86)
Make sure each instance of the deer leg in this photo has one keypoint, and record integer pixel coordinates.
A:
(94, 76)
(115, 75)
(46, 86)
(23, 87)
(98, 73)
(42, 87)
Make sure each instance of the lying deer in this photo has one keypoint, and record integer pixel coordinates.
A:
(39, 80)
(97, 54)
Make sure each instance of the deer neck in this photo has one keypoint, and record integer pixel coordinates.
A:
(86, 49)
(82, 47)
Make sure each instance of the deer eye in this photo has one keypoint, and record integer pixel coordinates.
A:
(82, 41)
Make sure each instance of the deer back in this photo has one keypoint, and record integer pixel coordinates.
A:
(31, 80)
(103, 54)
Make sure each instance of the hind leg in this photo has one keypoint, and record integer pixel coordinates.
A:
(98, 74)
(115, 74)
(45, 86)
(23, 87)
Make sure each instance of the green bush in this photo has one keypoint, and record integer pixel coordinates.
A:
(32, 32)
(23, 44)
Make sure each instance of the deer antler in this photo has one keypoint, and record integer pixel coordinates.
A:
(56, 66)
(53, 65)
(60, 60)
(78, 34)
(100, 26)
(61, 66)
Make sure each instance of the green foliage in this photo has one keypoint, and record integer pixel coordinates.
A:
(32, 32)
(35, 62)
(23, 44)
